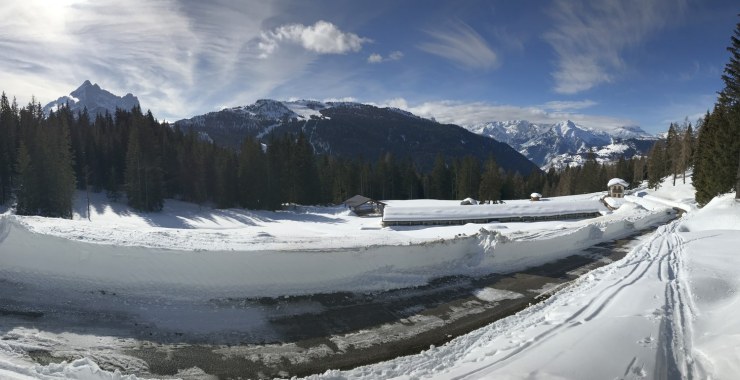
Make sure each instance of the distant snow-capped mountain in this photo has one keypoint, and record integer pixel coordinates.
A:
(353, 130)
(566, 143)
(95, 99)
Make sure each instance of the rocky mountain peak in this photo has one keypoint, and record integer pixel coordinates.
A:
(93, 98)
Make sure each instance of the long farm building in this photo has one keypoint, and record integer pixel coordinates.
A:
(522, 211)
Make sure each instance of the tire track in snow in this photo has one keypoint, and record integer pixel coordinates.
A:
(646, 258)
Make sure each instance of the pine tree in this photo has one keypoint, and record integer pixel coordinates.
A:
(252, 170)
(730, 97)
(656, 164)
(305, 186)
(490, 183)
(144, 187)
(687, 151)
(60, 174)
(112, 187)
(8, 148)
(673, 151)
(468, 175)
(440, 180)
(27, 190)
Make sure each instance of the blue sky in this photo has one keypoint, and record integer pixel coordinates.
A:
(599, 63)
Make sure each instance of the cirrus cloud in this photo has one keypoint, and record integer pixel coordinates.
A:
(460, 43)
(589, 37)
(472, 113)
(377, 58)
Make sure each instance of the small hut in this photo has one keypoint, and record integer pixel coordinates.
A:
(362, 205)
(535, 197)
(616, 187)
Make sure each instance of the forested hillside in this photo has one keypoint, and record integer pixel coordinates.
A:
(43, 159)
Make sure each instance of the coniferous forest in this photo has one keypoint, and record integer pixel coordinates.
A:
(44, 158)
(717, 167)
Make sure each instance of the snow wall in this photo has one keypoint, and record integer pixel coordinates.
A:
(49, 261)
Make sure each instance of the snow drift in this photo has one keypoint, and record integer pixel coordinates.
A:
(42, 259)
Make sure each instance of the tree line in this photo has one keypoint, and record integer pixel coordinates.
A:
(717, 156)
(674, 155)
(43, 159)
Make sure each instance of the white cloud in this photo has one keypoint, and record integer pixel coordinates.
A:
(322, 37)
(460, 43)
(397, 103)
(589, 37)
(344, 99)
(377, 58)
(565, 105)
(472, 113)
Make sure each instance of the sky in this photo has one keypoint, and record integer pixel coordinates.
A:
(599, 63)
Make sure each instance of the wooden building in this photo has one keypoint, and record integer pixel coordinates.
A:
(616, 187)
(362, 205)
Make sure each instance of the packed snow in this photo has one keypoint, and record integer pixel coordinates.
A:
(668, 309)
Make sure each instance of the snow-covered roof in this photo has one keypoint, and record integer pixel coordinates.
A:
(498, 211)
(535, 195)
(359, 200)
(617, 181)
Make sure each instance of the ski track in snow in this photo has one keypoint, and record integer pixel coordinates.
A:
(641, 262)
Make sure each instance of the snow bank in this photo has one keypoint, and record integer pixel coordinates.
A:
(712, 265)
(42, 259)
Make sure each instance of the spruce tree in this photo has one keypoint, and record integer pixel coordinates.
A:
(687, 151)
(730, 97)
(672, 151)
(27, 190)
(440, 180)
(656, 164)
(490, 183)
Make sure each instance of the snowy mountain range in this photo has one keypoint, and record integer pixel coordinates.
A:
(354, 130)
(367, 131)
(97, 100)
(566, 143)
